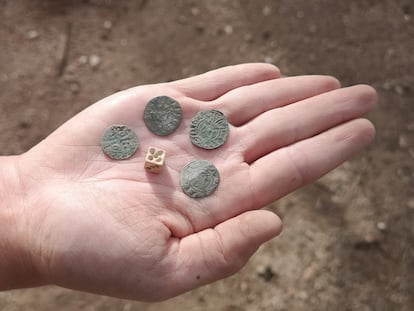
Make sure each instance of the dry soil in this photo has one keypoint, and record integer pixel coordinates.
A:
(348, 240)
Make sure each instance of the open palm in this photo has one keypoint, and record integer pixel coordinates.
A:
(110, 227)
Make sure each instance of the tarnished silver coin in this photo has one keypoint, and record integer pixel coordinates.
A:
(209, 129)
(162, 115)
(199, 178)
(119, 142)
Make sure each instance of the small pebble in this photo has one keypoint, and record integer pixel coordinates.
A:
(403, 141)
(410, 203)
(32, 34)
(268, 59)
(74, 87)
(260, 269)
(107, 25)
(127, 307)
(195, 11)
(386, 85)
(390, 52)
(399, 89)
(83, 59)
(94, 60)
(266, 10)
(228, 29)
(309, 272)
(382, 226)
(244, 286)
(300, 14)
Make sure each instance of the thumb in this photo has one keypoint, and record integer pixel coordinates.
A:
(213, 254)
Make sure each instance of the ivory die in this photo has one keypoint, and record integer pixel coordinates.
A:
(154, 161)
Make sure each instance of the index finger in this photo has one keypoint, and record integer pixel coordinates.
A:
(215, 83)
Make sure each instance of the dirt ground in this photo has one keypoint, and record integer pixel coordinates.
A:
(348, 240)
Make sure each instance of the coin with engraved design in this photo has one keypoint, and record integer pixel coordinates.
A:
(162, 115)
(119, 142)
(209, 129)
(199, 178)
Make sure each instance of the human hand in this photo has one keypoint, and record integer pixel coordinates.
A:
(104, 226)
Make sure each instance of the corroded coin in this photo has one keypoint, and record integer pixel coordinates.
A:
(119, 142)
(199, 178)
(162, 115)
(209, 129)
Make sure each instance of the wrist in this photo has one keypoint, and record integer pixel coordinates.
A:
(17, 268)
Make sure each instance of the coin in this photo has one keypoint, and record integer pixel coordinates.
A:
(162, 115)
(119, 142)
(199, 178)
(209, 129)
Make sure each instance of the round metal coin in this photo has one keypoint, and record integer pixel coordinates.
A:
(162, 115)
(209, 129)
(119, 142)
(199, 178)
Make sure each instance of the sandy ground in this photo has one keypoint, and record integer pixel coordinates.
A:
(348, 239)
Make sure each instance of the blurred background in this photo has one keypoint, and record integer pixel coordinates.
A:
(348, 240)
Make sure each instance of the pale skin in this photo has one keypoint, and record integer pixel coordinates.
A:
(71, 216)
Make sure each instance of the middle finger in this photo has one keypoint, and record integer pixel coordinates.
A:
(245, 103)
(283, 126)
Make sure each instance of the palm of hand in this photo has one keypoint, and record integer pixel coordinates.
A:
(113, 228)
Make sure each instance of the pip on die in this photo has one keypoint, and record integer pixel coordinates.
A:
(154, 160)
